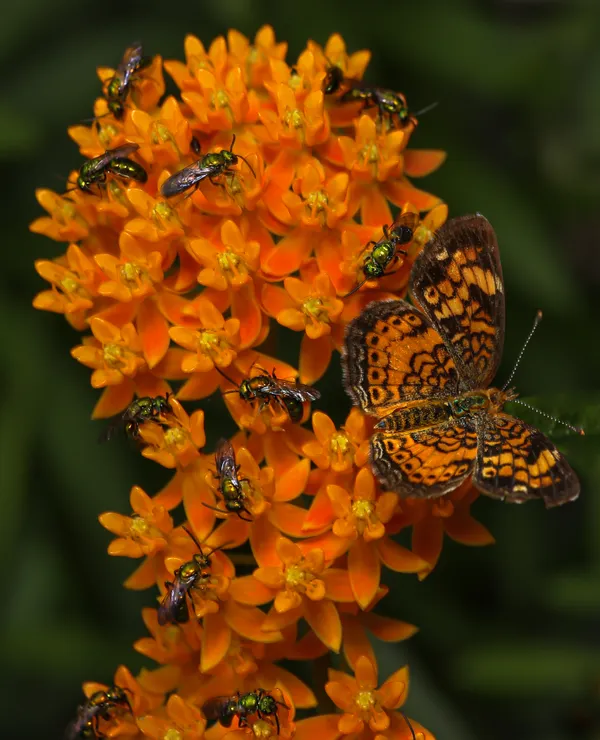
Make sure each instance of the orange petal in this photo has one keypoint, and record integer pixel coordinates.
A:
(356, 643)
(337, 582)
(247, 621)
(247, 590)
(365, 672)
(142, 577)
(392, 694)
(323, 618)
(421, 162)
(288, 519)
(292, 482)
(387, 628)
(113, 400)
(263, 537)
(324, 727)
(427, 541)
(153, 330)
(464, 529)
(398, 558)
(245, 308)
(315, 356)
(364, 568)
(216, 639)
(340, 694)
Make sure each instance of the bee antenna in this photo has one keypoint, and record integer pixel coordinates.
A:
(426, 109)
(357, 287)
(218, 369)
(410, 727)
(232, 143)
(241, 156)
(578, 430)
(536, 321)
(194, 538)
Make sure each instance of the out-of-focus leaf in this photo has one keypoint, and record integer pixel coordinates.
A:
(19, 133)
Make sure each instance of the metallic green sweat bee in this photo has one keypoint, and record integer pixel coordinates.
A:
(99, 705)
(259, 702)
(143, 409)
(211, 165)
(230, 486)
(119, 85)
(94, 171)
(385, 251)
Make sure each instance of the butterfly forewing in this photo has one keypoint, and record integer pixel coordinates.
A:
(457, 280)
(392, 356)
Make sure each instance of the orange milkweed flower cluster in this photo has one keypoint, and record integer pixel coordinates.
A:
(175, 296)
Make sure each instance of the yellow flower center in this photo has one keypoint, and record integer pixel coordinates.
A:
(172, 734)
(113, 355)
(295, 576)
(314, 308)
(160, 133)
(175, 437)
(130, 274)
(139, 527)
(365, 700)
(106, 135)
(339, 444)
(162, 210)
(317, 200)
(207, 341)
(293, 118)
(69, 285)
(363, 509)
(228, 261)
(262, 729)
(220, 99)
(370, 154)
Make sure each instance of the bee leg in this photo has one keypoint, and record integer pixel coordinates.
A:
(214, 508)
(243, 518)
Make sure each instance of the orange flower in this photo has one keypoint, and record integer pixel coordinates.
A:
(114, 354)
(131, 275)
(301, 586)
(359, 528)
(65, 223)
(75, 283)
(183, 720)
(178, 444)
(143, 533)
(450, 514)
(338, 450)
(365, 705)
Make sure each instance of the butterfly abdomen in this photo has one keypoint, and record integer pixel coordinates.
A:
(416, 417)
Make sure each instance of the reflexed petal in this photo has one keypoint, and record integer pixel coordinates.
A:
(324, 620)
(364, 568)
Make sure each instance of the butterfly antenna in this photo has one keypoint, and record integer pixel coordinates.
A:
(410, 727)
(538, 318)
(578, 430)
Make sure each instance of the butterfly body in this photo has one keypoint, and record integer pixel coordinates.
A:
(425, 372)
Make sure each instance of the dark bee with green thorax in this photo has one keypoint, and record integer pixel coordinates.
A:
(333, 81)
(94, 171)
(98, 706)
(191, 575)
(230, 486)
(269, 388)
(258, 702)
(211, 166)
(119, 85)
(147, 408)
(385, 252)
(390, 104)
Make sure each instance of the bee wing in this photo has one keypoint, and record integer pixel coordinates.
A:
(131, 59)
(111, 430)
(225, 459)
(299, 391)
(121, 152)
(185, 178)
(172, 608)
(214, 707)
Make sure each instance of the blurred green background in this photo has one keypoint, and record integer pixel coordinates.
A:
(510, 635)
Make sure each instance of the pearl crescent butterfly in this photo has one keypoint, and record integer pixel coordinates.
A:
(425, 373)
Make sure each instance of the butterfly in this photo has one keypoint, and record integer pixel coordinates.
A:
(425, 372)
